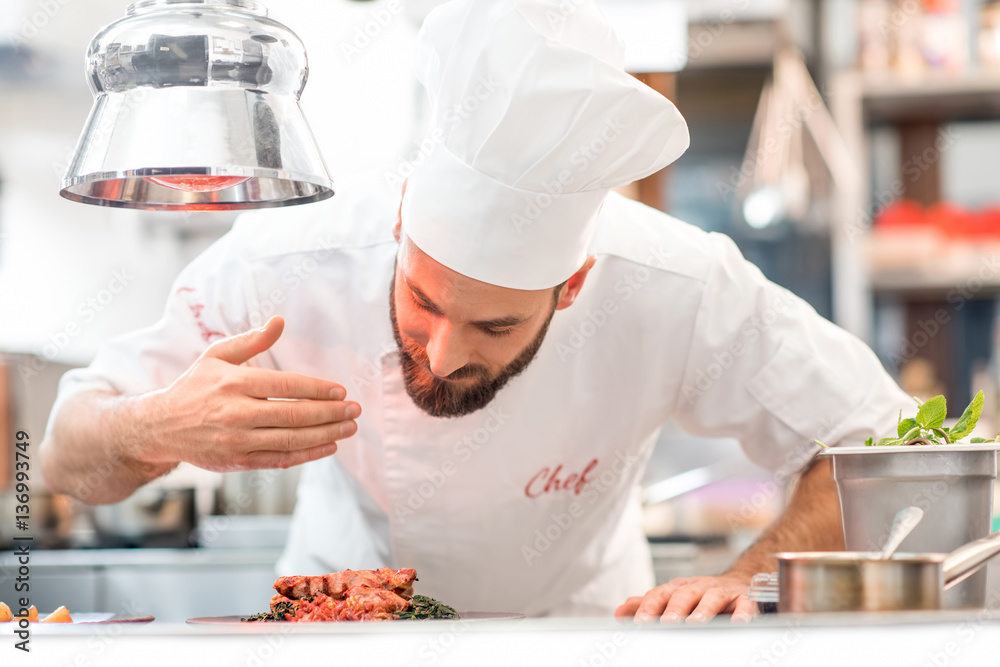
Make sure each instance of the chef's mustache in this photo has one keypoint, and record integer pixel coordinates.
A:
(418, 356)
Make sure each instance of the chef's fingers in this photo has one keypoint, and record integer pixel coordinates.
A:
(267, 460)
(745, 609)
(295, 439)
(298, 414)
(654, 602)
(682, 602)
(247, 345)
(268, 383)
(714, 601)
(627, 609)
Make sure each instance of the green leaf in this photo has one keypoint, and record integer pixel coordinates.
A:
(870, 442)
(932, 413)
(889, 442)
(977, 441)
(423, 607)
(968, 420)
(905, 426)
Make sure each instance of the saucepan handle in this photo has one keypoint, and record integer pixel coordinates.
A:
(966, 560)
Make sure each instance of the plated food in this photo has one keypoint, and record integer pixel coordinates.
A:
(60, 615)
(351, 595)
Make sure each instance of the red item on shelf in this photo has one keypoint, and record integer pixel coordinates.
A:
(949, 219)
(902, 213)
(984, 224)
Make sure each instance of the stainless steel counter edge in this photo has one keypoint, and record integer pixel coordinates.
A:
(143, 557)
(947, 640)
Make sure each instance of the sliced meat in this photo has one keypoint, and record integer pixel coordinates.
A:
(335, 585)
(360, 603)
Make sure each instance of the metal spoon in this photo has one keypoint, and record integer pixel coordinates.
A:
(903, 523)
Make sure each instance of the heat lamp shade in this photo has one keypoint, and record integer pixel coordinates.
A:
(142, 134)
(196, 108)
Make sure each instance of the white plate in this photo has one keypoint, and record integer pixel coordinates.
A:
(465, 616)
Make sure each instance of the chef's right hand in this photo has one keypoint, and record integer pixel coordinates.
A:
(216, 415)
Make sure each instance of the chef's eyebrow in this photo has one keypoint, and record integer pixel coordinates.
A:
(496, 323)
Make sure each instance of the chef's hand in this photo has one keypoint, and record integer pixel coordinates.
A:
(216, 415)
(696, 599)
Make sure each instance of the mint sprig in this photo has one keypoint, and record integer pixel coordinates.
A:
(928, 425)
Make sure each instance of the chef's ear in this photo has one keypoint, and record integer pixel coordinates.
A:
(571, 288)
(399, 215)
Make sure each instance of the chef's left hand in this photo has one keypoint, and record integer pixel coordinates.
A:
(696, 599)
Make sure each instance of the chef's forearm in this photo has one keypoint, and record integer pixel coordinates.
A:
(92, 450)
(811, 522)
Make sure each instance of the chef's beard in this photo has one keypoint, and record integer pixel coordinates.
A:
(440, 398)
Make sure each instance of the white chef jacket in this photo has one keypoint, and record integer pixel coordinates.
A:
(530, 504)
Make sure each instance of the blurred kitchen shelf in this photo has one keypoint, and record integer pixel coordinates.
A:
(925, 263)
(888, 96)
(859, 100)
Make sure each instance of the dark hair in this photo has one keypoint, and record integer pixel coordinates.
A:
(555, 292)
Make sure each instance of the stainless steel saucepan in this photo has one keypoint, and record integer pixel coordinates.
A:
(828, 581)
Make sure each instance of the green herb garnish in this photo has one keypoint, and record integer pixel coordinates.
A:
(277, 614)
(928, 428)
(423, 607)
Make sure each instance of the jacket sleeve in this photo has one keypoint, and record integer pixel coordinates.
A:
(765, 368)
(209, 300)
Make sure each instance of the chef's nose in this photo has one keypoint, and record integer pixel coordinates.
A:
(445, 351)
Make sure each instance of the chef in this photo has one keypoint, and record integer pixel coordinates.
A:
(473, 368)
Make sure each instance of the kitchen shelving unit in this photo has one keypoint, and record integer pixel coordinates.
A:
(916, 106)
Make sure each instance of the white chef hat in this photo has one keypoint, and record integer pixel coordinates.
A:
(535, 120)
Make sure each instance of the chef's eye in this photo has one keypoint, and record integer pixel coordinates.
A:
(498, 333)
(420, 304)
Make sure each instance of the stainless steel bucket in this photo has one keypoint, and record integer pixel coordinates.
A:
(953, 485)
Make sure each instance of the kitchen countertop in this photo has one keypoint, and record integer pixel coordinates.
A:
(933, 638)
(143, 557)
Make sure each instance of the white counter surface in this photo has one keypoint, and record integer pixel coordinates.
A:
(936, 639)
